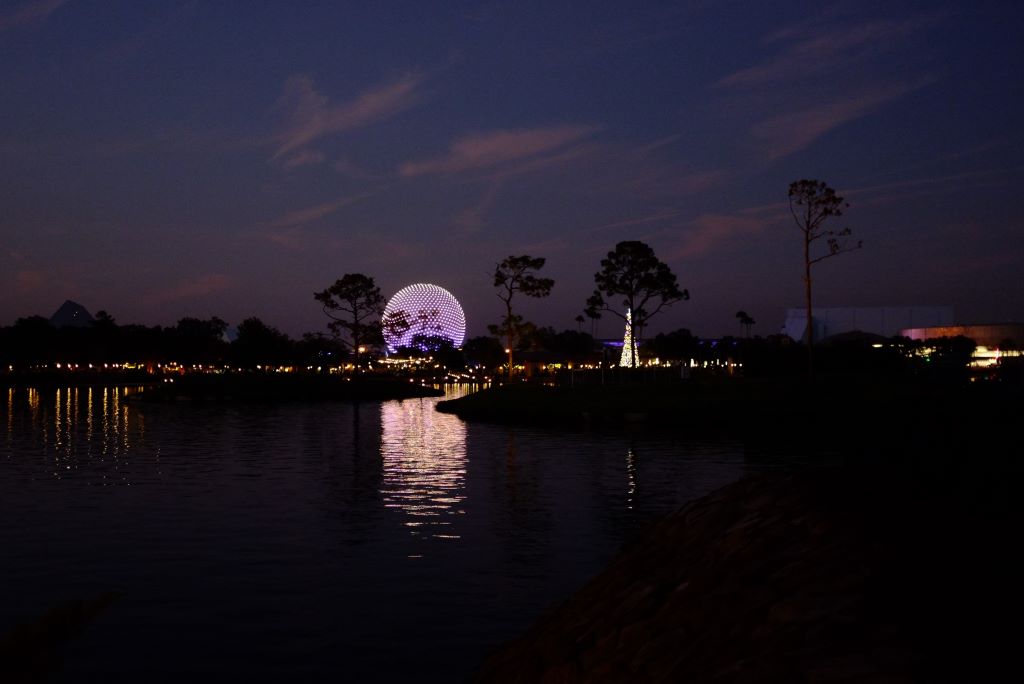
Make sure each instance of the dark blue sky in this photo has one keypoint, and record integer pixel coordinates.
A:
(229, 158)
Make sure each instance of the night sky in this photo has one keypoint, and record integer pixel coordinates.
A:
(163, 159)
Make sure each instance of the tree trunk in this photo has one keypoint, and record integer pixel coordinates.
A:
(508, 328)
(810, 317)
(355, 345)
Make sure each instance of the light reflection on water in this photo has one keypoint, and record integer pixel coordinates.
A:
(311, 542)
(424, 461)
(66, 429)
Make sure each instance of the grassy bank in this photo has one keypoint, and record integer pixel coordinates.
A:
(864, 416)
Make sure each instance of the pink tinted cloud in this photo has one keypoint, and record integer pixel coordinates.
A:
(200, 286)
(709, 232)
(310, 115)
(30, 12)
(472, 218)
(495, 148)
(29, 280)
(813, 50)
(347, 167)
(792, 131)
(310, 214)
(304, 158)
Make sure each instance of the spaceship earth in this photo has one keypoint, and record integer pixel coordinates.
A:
(425, 311)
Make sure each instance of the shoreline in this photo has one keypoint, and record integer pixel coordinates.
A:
(799, 577)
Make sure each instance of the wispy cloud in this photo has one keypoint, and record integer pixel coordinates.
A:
(29, 280)
(709, 232)
(347, 167)
(30, 13)
(812, 50)
(199, 286)
(958, 182)
(653, 218)
(792, 131)
(472, 218)
(820, 75)
(310, 214)
(304, 158)
(310, 115)
(495, 148)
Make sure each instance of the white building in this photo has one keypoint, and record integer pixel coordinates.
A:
(887, 321)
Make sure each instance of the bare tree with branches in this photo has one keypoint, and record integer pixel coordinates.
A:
(812, 203)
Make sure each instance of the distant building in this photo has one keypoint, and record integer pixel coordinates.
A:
(990, 335)
(71, 315)
(887, 321)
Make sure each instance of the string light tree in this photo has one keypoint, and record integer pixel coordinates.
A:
(626, 360)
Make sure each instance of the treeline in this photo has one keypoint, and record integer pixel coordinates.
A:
(34, 341)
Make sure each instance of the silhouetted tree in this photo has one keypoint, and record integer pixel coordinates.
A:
(103, 320)
(258, 344)
(745, 322)
(812, 203)
(319, 350)
(516, 274)
(580, 320)
(354, 305)
(678, 345)
(569, 343)
(33, 340)
(484, 350)
(633, 271)
(197, 341)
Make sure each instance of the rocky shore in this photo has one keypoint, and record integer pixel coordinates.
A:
(826, 576)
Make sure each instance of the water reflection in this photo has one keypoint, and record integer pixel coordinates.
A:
(63, 421)
(631, 478)
(424, 465)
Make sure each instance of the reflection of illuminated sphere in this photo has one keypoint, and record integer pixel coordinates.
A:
(426, 313)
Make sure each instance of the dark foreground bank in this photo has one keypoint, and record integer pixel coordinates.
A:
(827, 576)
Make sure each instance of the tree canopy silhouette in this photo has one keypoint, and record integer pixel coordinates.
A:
(354, 304)
(517, 275)
(646, 283)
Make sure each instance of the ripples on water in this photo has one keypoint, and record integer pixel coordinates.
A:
(310, 542)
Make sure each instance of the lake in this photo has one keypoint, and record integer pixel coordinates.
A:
(312, 542)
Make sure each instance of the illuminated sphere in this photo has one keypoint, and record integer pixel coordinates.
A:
(428, 310)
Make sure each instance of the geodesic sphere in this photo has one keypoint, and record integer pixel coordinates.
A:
(423, 312)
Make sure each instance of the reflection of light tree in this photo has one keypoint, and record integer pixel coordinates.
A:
(631, 477)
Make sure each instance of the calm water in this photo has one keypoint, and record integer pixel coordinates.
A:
(309, 542)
